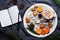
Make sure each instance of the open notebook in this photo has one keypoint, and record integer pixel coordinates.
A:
(9, 16)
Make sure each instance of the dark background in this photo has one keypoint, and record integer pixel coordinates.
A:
(23, 35)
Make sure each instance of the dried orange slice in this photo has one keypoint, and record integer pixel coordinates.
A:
(38, 30)
(39, 9)
(47, 30)
(43, 32)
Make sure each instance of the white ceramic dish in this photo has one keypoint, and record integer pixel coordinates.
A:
(45, 6)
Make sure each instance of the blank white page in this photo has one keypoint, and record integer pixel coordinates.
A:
(13, 11)
(5, 18)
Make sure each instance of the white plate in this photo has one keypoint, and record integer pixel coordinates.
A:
(45, 6)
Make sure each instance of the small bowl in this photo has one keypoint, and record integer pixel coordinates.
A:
(48, 14)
